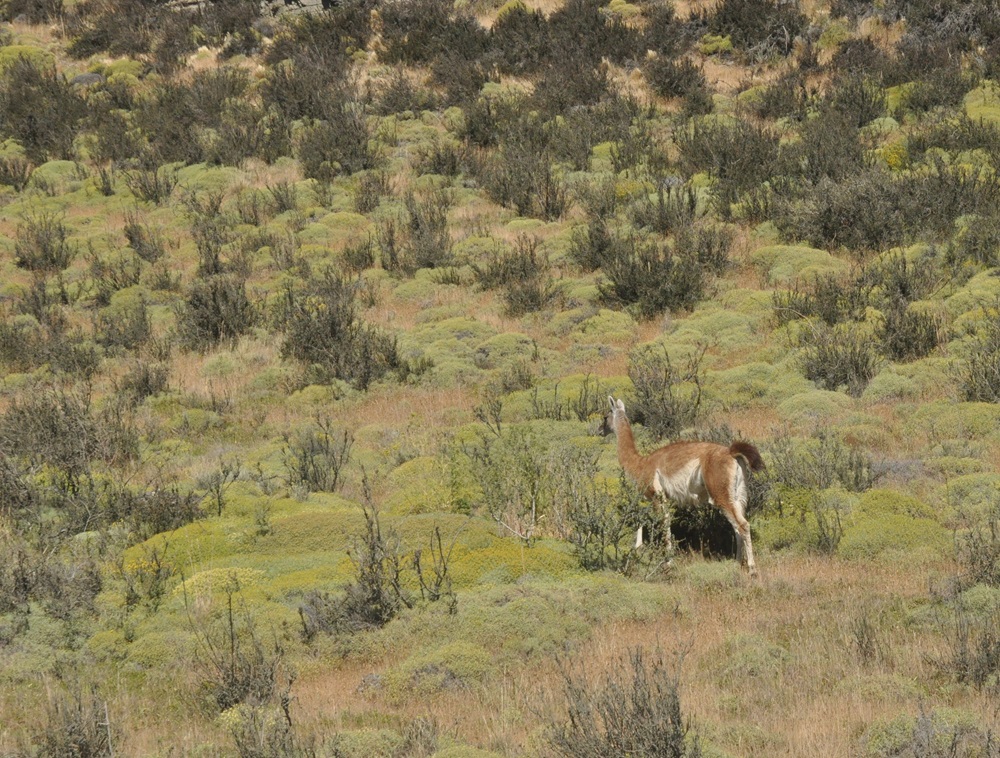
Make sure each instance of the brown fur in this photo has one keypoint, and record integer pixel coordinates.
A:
(675, 471)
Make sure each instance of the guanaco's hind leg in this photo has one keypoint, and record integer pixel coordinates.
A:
(730, 497)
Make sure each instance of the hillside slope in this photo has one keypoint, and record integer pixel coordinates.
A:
(308, 324)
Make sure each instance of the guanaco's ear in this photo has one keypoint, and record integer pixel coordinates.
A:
(611, 400)
(621, 406)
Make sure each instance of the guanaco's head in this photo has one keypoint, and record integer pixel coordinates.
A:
(614, 417)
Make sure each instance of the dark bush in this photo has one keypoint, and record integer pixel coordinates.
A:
(76, 723)
(360, 256)
(862, 213)
(519, 39)
(327, 149)
(426, 242)
(152, 185)
(955, 134)
(675, 205)
(42, 244)
(52, 427)
(462, 79)
(593, 246)
(441, 157)
(893, 279)
(573, 137)
(15, 172)
(422, 31)
(216, 309)
(315, 457)
(521, 175)
(570, 83)
(248, 130)
(323, 329)
(126, 328)
(667, 397)
(634, 710)
(829, 297)
(374, 597)
(303, 89)
(173, 44)
(328, 38)
(581, 35)
(523, 274)
(906, 334)
(602, 521)
(651, 278)
(830, 148)
(32, 11)
(169, 118)
(142, 379)
(670, 78)
(708, 244)
(979, 375)
(739, 156)
(857, 99)
(759, 28)
(976, 247)
(39, 109)
(237, 666)
(664, 33)
(820, 462)
(788, 97)
(978, 550)
(118, 27)
(840, 357)
(937, 88)
(400, 94)
(113, 273)
(145, 241)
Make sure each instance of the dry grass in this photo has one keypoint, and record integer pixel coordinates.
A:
(817, 700)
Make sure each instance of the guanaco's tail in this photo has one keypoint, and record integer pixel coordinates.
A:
(749, 453)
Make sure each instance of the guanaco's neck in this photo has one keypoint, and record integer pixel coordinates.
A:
(628, 456)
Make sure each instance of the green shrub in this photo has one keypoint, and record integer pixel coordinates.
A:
(41, 110)
(322, 329)
(739, 155)
(315, 458)
(215, 310)
(651, 279)
(522, 273)
(821, 462)
(42, 244)
(667, 397)
(839, 357)
(979, 376)
(759, 28)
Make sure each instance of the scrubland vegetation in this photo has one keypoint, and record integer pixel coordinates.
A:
(307, 326)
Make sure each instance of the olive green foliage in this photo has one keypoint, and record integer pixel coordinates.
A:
(217, 310)
(667, 396)
(524, 275)
(980, 376)
(323, 329)
(316, 457)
